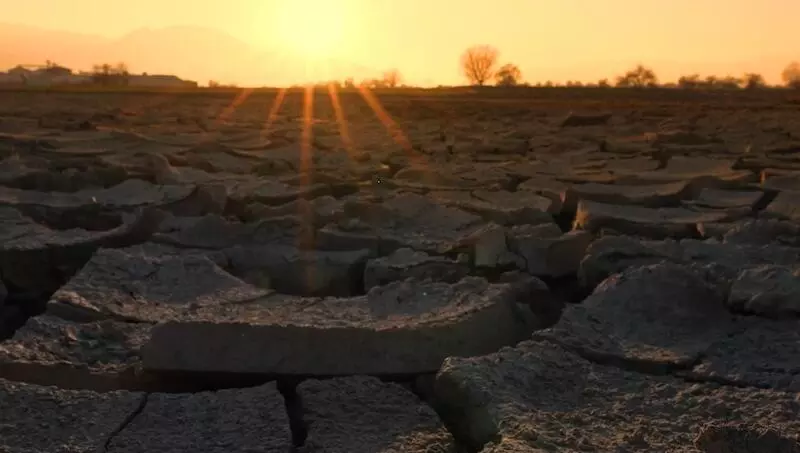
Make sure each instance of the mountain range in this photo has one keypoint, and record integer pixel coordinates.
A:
(193, 53)
(202, 54)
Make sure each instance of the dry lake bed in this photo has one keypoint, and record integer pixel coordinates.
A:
(543, 271)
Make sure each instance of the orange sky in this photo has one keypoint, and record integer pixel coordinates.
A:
(549, 40)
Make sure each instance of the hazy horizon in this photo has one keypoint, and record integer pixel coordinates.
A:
(269, 42)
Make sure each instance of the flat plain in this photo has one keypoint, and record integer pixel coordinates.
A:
(546, 270)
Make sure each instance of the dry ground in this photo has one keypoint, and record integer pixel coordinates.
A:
(553, 270)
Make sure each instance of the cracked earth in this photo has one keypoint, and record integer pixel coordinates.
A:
(476, 275)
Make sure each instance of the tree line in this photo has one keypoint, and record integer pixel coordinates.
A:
(480, 66)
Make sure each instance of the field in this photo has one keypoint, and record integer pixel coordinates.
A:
(543, 270)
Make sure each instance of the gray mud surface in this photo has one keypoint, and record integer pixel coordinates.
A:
(543, 275)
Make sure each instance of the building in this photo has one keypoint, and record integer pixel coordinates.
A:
(160, 81)
(54, 75)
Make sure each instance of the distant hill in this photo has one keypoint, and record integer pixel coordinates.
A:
(214, 55)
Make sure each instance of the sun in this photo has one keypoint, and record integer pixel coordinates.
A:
(313, 29)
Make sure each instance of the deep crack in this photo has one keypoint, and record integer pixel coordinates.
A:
(126, 421)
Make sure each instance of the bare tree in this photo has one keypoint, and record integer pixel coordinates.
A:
(392, 78)
(122, 73)
(121, 69)
(791, 75)
(508, 75)
(478, 64)
(638, 77)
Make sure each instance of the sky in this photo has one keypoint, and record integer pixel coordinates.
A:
(556, 40)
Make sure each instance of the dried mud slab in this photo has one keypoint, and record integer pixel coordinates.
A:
(290, 270)
(35, 258)
(546, 252)
(92, 205)
(741, 438)
(407, 220)
(274, 192)
(501, 207)
(540, 397)
(251, 419)
(38, 419)
(612, 254)
(764, 232)
(700, 172)
(657, 223)
(405, 263)
(366, 415)
(212, 232)
(100, 356)
(784, 206)
(654, 318)
(325, 209)
(761, 353)
(586, 120)
(469, 176)
(768, 290)
(401, 328)
(649, 196)
(669, 318)
(726, 199)
(119, 285)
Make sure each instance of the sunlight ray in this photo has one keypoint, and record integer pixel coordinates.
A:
(237, 101)
(307, 135)
(397, 134)
(273, 112)
(341, 120)
(306, 161)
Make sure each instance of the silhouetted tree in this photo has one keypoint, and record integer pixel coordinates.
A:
(373, 83)
(478, 64)
(121, 68)
(392, 78)
(728, 83)
(349, 83)
(638, 77)
(791, 75)
(751, 81)
(122, 73)
(690, 81)
(603, 83)
(508, 75)
(711, 81)
(106, 74)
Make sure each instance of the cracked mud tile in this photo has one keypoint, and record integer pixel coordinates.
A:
(236, 420)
